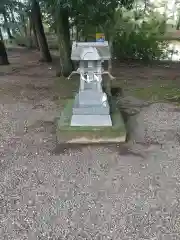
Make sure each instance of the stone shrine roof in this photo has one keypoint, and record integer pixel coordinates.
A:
(101, 47)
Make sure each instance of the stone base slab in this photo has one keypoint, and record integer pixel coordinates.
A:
(91, 120)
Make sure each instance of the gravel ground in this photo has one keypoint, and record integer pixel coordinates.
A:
(128, 192)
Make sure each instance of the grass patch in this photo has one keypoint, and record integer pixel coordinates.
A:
(157, 93)
(64, 90)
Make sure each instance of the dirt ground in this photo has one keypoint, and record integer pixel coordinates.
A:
(128, 192)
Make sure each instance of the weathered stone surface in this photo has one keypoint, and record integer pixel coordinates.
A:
(89, 110)
(90, 86)
(89, 97)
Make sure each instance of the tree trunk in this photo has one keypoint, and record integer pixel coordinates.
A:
(77, 33)
(3, 54)
(13, 20)
(6, 24)
(178, 23)
(64, 42)
(109, 37)
(110, 62)
(33, 30)
(37, 20)
(30, 43)
(23, 20)
(1, 36)
(35, 36)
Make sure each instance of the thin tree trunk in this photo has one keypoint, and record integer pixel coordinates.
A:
(37, 20)
(3, 54)
(77, 33)
(111, 52)
(35, 38)
(1, 36)
(24, 25)
(30, 33)
(66, 66)
(6, 24)
(13, 20)
(178, 23)
(110, 41)
(12, 15)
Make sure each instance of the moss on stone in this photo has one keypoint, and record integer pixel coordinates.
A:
(66, 132)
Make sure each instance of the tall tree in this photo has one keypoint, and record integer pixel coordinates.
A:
(37, 21)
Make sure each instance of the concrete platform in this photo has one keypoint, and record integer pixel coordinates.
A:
(86, 134)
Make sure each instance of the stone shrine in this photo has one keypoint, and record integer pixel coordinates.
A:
(90, 106)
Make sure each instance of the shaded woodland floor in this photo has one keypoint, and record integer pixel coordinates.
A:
(136, 78)
(86, 192)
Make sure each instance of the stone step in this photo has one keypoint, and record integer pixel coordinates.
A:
(91, 120)
(90, 110)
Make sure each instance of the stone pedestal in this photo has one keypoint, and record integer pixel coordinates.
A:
(89, 110)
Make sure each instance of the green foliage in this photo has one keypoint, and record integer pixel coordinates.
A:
(139, 39)
(84, 13)
(134, 33)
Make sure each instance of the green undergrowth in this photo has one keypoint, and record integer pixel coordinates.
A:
(64, 89)
(158, 93)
